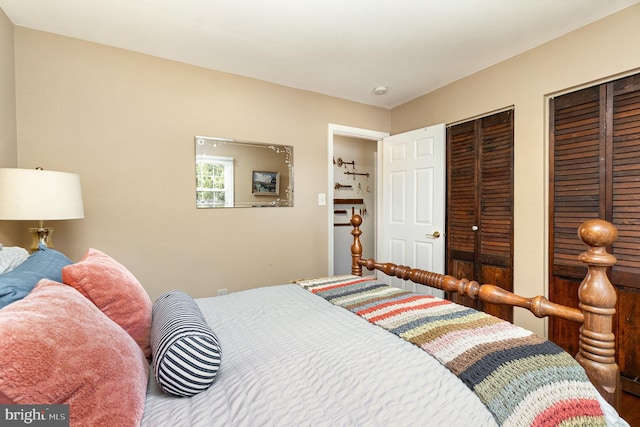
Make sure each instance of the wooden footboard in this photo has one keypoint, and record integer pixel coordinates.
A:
(596, 295)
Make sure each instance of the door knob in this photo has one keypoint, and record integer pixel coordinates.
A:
(433, 235)
(474, 228)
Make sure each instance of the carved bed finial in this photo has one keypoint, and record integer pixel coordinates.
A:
(356, 246)
(598, 303)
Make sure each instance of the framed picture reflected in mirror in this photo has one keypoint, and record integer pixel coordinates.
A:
(264, 183)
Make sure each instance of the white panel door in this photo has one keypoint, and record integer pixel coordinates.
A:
(413, 203)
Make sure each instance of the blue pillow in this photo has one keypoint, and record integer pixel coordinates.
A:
(45, 263)
(186, 352)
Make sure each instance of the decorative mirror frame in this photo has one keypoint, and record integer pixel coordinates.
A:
(232, 173)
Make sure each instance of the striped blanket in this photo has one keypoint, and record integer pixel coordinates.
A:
(523, 379)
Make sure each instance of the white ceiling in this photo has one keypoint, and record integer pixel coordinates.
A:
(342, 48)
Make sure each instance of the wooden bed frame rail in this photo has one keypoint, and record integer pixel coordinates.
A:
(597, 300)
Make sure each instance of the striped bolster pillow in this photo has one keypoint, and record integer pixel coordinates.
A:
(186, 352)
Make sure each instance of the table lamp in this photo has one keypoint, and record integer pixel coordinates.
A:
(39, 195)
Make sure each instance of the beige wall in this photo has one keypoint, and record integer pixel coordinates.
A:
(599, 51)
(8, 147)
(8, 153)
(126, 122)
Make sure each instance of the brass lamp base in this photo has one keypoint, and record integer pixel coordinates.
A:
(40, 235)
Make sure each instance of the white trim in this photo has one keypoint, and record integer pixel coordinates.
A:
(349, 131)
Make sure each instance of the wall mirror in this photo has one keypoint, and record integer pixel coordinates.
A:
(238, 174)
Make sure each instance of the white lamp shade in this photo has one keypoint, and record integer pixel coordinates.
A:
(36, 194)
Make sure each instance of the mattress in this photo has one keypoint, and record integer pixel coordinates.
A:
(290, 358)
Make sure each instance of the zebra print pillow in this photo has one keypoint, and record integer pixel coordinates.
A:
(186, 352)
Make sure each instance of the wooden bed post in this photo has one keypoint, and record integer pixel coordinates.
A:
(598, 302)
(356, 246)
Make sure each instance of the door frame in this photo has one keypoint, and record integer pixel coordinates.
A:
(353, 132)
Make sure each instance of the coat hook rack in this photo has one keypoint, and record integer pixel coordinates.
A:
(357, 173)
(341, 163)
(338, 186)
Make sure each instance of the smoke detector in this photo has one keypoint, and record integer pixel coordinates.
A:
(380, 90)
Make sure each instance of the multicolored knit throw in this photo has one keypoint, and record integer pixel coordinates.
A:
(523, 379)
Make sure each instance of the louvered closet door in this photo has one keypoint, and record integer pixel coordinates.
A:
(575, 181)
(625, 192)
(625, 214)
(595, 173)
(575, 192)
(462, 202)
(479, 208)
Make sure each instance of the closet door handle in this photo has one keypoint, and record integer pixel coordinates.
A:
(474, 228)
(433, 235)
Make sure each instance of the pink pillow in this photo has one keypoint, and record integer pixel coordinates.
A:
(115, 291)
(58, 348)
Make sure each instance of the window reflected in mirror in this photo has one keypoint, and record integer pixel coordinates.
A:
(232, 173)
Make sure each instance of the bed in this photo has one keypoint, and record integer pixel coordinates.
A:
(303, 360)
(334, 351)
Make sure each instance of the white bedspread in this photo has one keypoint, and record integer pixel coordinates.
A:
(293, 359)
